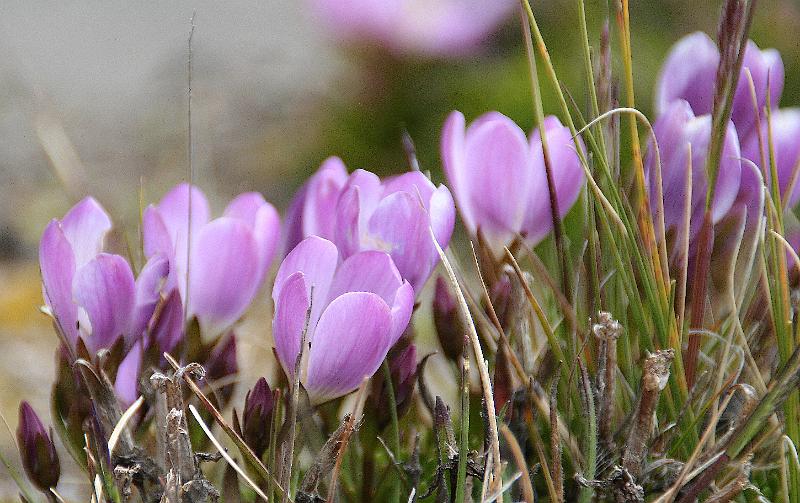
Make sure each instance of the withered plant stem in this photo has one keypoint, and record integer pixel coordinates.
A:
(654, 380)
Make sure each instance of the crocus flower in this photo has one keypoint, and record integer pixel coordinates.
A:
(433, 28)
(228, 257)
(675, 130)
(359, 309)
(92, 294)
(36, 448)
(499, 179)
(690, 70)
(362, 212)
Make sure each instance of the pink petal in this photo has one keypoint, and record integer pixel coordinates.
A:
(568, 179)
(689, 73)
(319, 208)
(317, 259)
(452, 153)
(104, 288)
(289, 320)
(57, 264)
(148, 292)
(350, 342)
(85, 227)
(175, 207)
(498, 163)
(166, 328)
(126, 383)
(402, 309)
(367, 271)
(223, 274)
(401, 226)
(263, 219)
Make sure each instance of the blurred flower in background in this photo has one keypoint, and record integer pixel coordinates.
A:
(417, 27)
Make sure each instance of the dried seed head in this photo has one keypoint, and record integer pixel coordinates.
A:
(607, 327)
(656, 370)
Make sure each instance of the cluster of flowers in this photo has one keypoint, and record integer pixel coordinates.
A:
(361, 248)
(684, 100)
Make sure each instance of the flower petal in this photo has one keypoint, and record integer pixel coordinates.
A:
(317, 259)
(568, 179)
(126, 383)
(57, 264)
(287, 325)
(401, 226)
(148, 292)
(263, 219)
(452, 153)
(104, 288)
(402, 309)
(368, 271)
(351, 340)
(223, 274)
(175, 207)
(85, 227)
(497, 161)
(359, 198)
(689, 73)
(166, 327)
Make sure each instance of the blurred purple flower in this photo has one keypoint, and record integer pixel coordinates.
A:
(785, 125)
(361, 212)
(499, 180)
(359, 309)
(675, 130)
(432, 28)
(229, 255)
(92, 294)
(690, 70)
(36, 448)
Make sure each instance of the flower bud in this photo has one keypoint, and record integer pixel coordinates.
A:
(257, 417)
(36, 448)
(449, 326)
(403, 369)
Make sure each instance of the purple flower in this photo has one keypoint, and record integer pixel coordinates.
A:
(361, 212)
(359, 309)
(229, 256)
(690, 70)
(433, 28)
(36, 448)
(675, 130)
(92, 294)
(499, 179)
(785, 125)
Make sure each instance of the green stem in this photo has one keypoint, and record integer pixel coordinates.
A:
(394, 425)
(463, 448)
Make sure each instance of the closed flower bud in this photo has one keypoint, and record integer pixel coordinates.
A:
(446, 318)
(257, 417)
(36, 448)
(403, 369)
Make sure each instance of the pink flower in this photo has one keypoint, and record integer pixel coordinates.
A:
(499, 180)
(359, 309)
